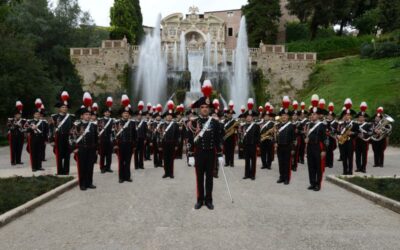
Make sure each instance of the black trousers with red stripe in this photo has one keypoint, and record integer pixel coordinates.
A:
(139, 153)
(16, 146)
(204, 164)
(169, 157)
(35, 144)
(250, 157)
(379, 148)
(85, 161)
(267, 153)
(361, 154)
(105, 152)
(347, 154)
(314, 164)
(284, 159)
(229, 150)
(301, 148)
(63, 154)
(329, 151)
(124, 160)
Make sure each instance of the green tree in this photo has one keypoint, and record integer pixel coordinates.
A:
(126, 20)
(262, 17)
(302, 9)
(368, 22)
(390, 15)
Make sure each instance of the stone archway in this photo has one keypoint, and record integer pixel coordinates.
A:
(195, 39)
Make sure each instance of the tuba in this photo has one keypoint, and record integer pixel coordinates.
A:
(384, 127)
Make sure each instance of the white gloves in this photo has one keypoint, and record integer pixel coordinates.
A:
(221, 161)
(191, 161)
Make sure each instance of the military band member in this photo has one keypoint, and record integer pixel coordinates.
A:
(379, 140)
(303, 118)
(267, 138)
(180, 120)
(106, 137)
(141, 131)
(316, 148)
(240, 133)
(147, 146)
(156, 136)
(125, 140)
(84, 143)
(190, 131)
(285, 142)
(46, 131)
(251, 139)
(61, 129)
(348, 132)
(35, 129)
(217, 115)
(296, 122)
(331, 126)
(169, 130)
(207, 145)
(361, 141)
(16, 135)
(230, 137)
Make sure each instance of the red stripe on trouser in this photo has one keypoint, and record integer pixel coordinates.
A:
(119, 162)
(290, 166)
(30, 150)
(11, 146)
(102, 156)
(366, 155)
(298, 148)
(195, 171)
(172, 165)
(322, 164)
(56, 152)
(78, 167)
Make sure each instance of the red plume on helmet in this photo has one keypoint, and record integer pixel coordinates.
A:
(285, 102)
(321, 103)
(231, 105)
(302, 106)
(379, 110)
(109, 102)
(250, 104)
(267, 106)
(149, 106)
(363, 106)
(125, 100)
(95, 107)
(314, 100)
(295, 105)
(271, 109)
(242, 109)
(207, 88)
(180, 108)
(216, 104)
(140, 105)
(260, 109)
(38, 103)
(19, 106)
(159, 108)
(331, 107)
(170, 105)
(348, 103)
(65, 97)
(87, 100)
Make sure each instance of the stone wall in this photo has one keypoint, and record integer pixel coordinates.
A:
(286, 72)
(101, 69)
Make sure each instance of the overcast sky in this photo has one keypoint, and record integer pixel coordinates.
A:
(100, 9)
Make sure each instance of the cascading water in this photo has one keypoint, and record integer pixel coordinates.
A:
(224, 63)
(215, 56)
(195, 59)
(152, 69)
(175, 57)
(239, 89)
(182, 52)
(208, 52)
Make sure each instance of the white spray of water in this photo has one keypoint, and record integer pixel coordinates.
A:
(151, 74)
(240, 85)
(182, 52)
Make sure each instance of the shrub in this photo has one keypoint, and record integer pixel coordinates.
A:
(328, 48)
(380, 50)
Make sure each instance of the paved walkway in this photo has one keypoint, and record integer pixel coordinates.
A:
(155, 213)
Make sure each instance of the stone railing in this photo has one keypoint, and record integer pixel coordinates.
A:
(84, 51)
(301, 56)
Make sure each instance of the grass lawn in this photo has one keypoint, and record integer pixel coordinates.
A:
(16, 191)
(388, 187)
(373, 81)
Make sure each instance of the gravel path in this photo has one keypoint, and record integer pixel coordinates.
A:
(155, 213)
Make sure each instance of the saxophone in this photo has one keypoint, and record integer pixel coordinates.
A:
(269, 134)
(345, 135)
(231, 130)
